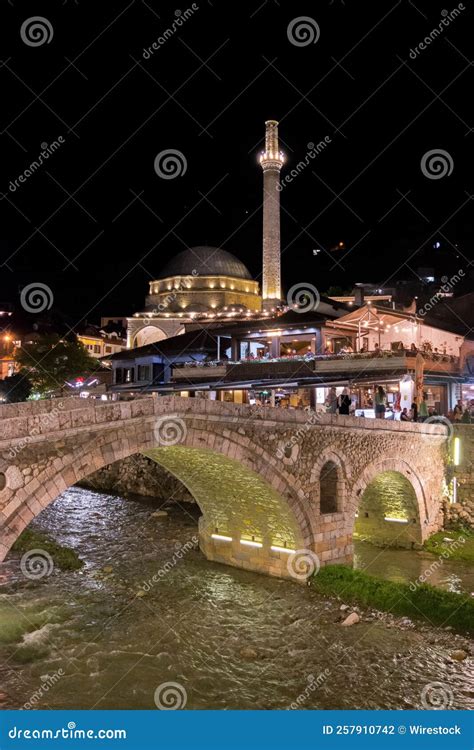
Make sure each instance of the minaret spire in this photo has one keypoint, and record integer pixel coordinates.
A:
(271, 160)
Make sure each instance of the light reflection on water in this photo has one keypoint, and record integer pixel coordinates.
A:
(194, 625)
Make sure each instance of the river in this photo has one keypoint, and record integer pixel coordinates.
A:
(228, 638)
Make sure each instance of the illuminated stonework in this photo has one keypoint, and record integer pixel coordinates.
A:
(200, 281)
(271, 161)
(256, 508)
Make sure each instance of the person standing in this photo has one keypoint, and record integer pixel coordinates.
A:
(380, 403)
(423, 410)
(458, 411)
(344, 402)
(331, 401)
(414, 412)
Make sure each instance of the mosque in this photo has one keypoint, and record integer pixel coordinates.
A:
(209, 284)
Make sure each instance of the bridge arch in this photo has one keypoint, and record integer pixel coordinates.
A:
(388, 505)
(248, 505)
(329, 480)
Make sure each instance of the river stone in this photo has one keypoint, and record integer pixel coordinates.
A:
(159, 514)
(351, 619)
(248, 653)
(107, 569)
(141, 593)
(458, 655)
(343, 607)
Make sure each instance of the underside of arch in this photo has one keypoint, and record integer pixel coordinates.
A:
(388, 514)
(244, 517)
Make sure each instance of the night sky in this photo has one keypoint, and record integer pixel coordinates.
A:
(96, 222)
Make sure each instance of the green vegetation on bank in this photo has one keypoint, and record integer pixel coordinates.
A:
(455, 550)
(424, 602)
(63, 557)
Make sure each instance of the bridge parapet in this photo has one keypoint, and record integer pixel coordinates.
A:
(29, 420)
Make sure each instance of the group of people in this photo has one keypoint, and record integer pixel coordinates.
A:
(338, 404)
(344, 405)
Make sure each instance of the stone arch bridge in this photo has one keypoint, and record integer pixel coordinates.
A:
(258, 475)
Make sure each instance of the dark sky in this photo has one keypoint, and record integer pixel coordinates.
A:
(96, 222)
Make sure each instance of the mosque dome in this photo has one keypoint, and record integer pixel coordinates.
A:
(205, 261)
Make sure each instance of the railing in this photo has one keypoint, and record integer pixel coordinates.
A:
(311, 363)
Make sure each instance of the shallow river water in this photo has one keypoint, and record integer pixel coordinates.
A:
(228, 638)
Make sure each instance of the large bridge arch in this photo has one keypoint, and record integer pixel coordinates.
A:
(251, 513)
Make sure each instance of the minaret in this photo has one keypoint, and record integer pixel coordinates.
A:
(271, 160)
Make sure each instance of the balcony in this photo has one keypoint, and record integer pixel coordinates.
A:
(352, 365)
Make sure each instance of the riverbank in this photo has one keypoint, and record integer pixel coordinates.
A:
(417, 601)
(452, 545)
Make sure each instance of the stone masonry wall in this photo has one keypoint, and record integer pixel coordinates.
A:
(462, 512)
(41, 454)
(138, 475)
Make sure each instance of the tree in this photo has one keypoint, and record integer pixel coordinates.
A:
(15, 388)
(337, 291)
(50, 361)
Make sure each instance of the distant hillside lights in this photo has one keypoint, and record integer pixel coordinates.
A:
(314, 151)
(445, 289)
(181, 18)
(47, 151)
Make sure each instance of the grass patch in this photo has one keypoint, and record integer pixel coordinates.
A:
(457, 549)
(63, 557)
(426, 602)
